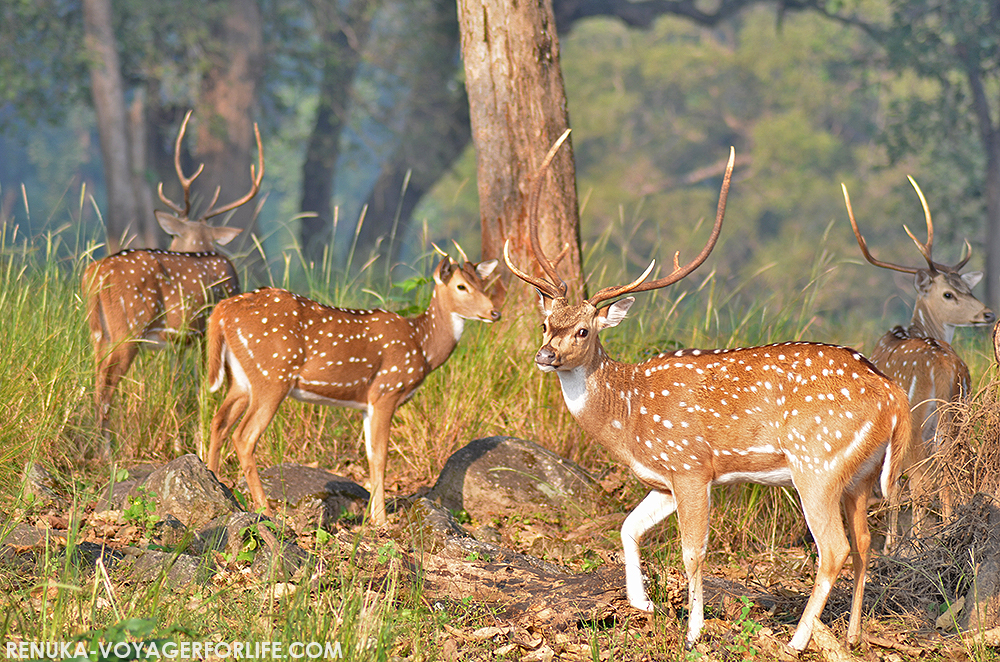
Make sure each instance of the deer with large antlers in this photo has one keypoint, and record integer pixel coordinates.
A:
(149, 297)
(817, 417)
(920, 358)
(272, 344)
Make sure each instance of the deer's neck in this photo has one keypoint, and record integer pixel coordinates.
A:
(595, 400)
(439, 331)
(926, 325)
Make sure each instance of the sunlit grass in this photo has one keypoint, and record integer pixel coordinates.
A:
(489, 387)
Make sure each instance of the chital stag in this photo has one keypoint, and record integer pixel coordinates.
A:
(149, 296)
(272, 344)
(920, 358)
(817, 417)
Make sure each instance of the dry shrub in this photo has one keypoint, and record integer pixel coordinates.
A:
(937, 566)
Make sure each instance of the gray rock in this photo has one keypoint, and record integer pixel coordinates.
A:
(503, 476)
(186, 489)
(41, 489)
(257, 539)
(147, 566)
(428, 526)
(308, 497)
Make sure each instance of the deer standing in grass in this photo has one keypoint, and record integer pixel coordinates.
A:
(149, 296)
(272, 344)
(920, 358)
(817, 417)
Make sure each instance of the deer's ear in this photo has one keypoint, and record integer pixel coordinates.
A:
(922, 281)
(615, 313)
(171, 224)
(544, 303)
(224, 235)
(485, 269)
(972, 278)
(443, 270)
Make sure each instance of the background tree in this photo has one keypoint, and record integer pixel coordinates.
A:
(955, 46)
(518, 109)
(343, 33)
(123, 213)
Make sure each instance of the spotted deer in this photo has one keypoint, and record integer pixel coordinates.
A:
(272, 344)
(817, 417)
(920, 358)
(147, 297)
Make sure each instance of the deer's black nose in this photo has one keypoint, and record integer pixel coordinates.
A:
(545, 356)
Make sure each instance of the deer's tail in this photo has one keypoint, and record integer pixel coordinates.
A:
(215, 346)
(899, 445)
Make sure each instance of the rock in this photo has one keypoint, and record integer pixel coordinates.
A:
(41, 489)
(148, 566)
(186, 489)
(308, 497)
(428, 526)
(503, 476)
(255, 539)
(114, 495)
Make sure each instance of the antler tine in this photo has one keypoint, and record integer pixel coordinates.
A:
(678, 272)
(936, 266)
(256, 176)
(545, 287)
(925, 249)
(461, 253)
(185, 181)
(864, 245)
(967, 252)
(437, 249)
(555, 287)
(536, 194)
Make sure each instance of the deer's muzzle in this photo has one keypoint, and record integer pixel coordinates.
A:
(545, 359)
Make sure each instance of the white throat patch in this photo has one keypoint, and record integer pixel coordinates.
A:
(457, 325)
(574, 388)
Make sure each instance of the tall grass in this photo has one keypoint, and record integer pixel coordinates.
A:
(488, 387)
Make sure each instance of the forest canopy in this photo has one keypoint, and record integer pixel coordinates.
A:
(808, 98)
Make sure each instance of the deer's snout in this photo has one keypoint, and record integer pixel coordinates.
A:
(545, 357)
(989, 317)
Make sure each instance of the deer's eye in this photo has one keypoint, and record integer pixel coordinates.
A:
(582, 333)
(462, 288)
(949, 295)
(544, 327)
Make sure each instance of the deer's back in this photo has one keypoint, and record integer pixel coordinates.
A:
(928, 370)
(152, 293)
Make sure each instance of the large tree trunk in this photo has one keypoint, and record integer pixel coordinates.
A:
(225, 139)
(344, 35)
(518, 110)
(434, 134)
(112, 125)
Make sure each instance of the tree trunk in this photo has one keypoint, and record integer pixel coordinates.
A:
(518, 110)
(225, 139)
(146, 226)
(434, 134)
(112, 125)
(344, 36)
(989, 136)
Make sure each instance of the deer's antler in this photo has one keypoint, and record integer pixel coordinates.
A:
(925, 248)
(678, 272)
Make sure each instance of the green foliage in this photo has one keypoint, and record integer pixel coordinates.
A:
(746, 629)
(141, 510)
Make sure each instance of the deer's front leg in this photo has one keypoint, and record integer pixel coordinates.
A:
(378, 422)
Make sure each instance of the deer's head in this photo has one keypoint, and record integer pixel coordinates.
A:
(570, 331)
